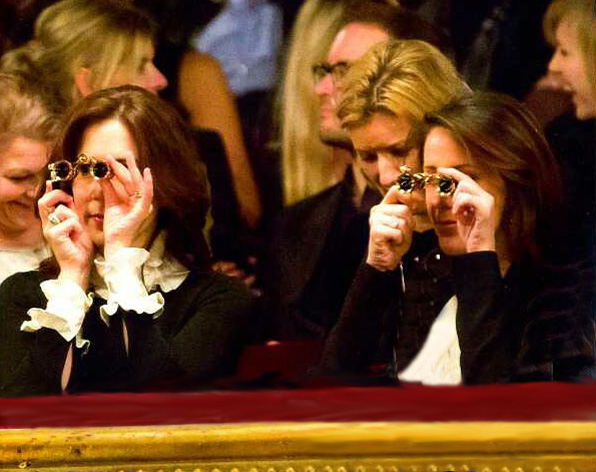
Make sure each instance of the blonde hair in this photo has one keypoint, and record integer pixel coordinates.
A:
(583, 13)
(400, 77)
(23, 112)
(99, 35)
(307, 164)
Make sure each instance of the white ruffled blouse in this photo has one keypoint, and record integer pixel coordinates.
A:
(123, 282)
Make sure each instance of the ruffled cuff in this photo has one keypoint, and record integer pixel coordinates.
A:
(123, 277)
(65, 311)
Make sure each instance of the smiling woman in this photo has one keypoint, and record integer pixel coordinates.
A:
(26, 130)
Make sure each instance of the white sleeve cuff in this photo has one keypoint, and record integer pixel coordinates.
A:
(65, 311)
(123, 277)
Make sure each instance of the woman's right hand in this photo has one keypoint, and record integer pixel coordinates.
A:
(391, 227)
(68, 238)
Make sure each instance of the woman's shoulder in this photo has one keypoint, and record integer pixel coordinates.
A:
(206, 285)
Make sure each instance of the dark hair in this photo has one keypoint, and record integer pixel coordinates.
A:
(398, 22)
(166, 145)
(501, 135)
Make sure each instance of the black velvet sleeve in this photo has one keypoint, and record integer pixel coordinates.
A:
(199, 336)
(30, 363)
(535, 324)
(354, 342)
(488, 316)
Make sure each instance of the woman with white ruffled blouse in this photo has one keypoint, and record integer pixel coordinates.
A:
(127, 303)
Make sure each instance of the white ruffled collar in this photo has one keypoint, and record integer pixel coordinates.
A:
(165, 272)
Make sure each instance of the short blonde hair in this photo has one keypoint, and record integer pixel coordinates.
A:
(583, 13)
(400, 77)
(100, 35)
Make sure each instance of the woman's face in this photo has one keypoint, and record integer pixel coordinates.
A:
(109, 137)
(569, 65)
(442, 150)
(22, 168)
(142, 73)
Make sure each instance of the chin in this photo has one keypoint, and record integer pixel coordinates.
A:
(451, 245)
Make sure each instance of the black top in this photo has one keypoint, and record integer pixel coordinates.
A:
(574, 144)
(536, 323)
(198, 337)
(316, 248)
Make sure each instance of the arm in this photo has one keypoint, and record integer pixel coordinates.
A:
(489, 318)
(353, 344)
(32, 362)
(204, 92)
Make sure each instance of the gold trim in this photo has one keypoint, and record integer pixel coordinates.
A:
(307, 447)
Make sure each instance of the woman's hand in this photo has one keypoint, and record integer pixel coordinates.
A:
(68, 238)
(474, 211)
(127, 206)
(391, 227)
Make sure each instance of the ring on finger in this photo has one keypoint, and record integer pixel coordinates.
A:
(137, 194)
(394, 222)
(53, 218)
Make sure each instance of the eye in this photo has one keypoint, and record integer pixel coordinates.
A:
(367, 156)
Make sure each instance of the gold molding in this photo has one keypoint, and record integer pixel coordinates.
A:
(307, 447)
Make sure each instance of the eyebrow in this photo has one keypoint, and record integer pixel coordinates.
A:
(397, 146)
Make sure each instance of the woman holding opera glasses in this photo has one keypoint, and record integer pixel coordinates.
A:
(127, 302)
(492, 190)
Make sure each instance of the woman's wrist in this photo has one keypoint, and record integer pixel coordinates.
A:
(78, 276)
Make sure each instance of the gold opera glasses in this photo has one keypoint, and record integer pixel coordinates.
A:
(408, 181)
(63, 172)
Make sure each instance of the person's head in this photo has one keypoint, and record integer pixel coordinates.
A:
(385, 96)
(27, 129)
(128, 119)
(81, 46)
(366, 25)
(496, 141)
(570, 27)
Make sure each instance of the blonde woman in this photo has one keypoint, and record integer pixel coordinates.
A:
(81, 46)
(570, 27)
(26, 133)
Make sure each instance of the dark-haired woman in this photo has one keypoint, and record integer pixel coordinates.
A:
(128, 302)
(513, 316)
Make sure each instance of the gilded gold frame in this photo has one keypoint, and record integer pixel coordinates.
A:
(307, 447)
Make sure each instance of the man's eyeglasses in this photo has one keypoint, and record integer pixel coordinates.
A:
(85, 166)
(337, 71)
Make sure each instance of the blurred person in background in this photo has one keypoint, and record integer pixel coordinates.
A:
(27, 130)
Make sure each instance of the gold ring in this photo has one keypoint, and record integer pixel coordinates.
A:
(137, 194)
(52, 218)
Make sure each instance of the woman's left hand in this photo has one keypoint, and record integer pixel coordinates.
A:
(474, 211)
(127, 199)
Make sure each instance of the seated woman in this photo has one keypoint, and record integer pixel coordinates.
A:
(27, 129)
(492, 189)
(128, 302)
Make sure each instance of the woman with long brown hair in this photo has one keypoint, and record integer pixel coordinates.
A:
(128, 301)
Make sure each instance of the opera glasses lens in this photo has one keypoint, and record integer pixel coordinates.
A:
(85, 166)
(408, 181)
(61, 170)
(445, 185)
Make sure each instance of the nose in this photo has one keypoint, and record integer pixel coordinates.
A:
(388, 170)
(554, 64)
(157, 81)
(325, 86)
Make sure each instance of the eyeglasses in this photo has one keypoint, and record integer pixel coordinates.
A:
(85, 166)
(337, 71)
(408, 181)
